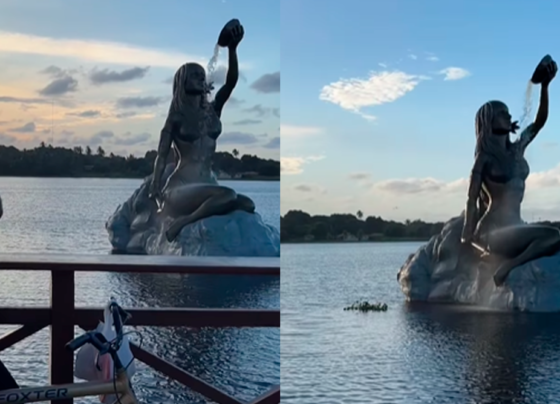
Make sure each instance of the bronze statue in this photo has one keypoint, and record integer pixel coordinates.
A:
(192, 128)
(493, 221)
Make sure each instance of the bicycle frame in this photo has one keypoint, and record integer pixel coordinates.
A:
(120, 387)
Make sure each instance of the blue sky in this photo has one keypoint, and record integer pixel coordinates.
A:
(97, 72)
(379, 99)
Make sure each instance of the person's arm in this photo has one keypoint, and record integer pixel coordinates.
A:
(475, 185)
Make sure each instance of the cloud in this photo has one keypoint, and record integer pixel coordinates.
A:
(96, 51)
(359, 176)
(299, 131)
(218, 76)
(85, 114)
(103, 138)
(419, 185)
(294, 165)
(130, 140)
(238, 138)
(267, 83)
(309, 189)
(235, 102)
(99, 137)
(99, 77)
(260, 111)
(7, 139)
(63, 85)
(535, 181)
(454, 73)
(379, 88)
(138, 102)
(432, 59)
(247, 122)
(27, 128)
(413, 56)
(126, 114)
(273, 143)
(24, 100)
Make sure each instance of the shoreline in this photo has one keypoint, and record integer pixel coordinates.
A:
(384, 240)
(267, 179)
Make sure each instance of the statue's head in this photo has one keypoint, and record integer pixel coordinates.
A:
(190, 79)
(492, 120)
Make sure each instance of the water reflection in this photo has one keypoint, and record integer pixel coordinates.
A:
(497, 357)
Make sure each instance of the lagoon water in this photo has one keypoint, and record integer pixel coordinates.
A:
(46, 215)
(409, 354)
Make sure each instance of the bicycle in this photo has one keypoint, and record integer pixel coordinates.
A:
(120, 386)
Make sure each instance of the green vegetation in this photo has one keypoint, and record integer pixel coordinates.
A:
(365, 306)
(49, 161)
(301, 227)
(297, 226)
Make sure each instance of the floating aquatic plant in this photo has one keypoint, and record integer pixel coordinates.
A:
(365, 306)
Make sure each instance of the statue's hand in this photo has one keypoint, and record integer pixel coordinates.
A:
(551, 70)
(236, 36)
(514, 126)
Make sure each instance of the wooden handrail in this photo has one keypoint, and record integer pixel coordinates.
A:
(142, 264)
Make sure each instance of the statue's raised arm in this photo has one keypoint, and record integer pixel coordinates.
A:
(543, 75)
(231, 36)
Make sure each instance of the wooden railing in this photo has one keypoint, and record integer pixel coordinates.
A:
(62, 315)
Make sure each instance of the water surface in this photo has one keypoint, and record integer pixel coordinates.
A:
(409, 354)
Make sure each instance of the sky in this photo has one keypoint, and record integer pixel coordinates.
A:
(97, 73)
(379, 100)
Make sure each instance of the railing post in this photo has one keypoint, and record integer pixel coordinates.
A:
(62, 328)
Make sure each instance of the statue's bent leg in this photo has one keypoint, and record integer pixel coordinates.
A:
(245, 203)
(521, 244)
(215, 200)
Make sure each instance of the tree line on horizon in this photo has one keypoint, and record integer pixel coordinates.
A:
(298, 226)
(48, 161)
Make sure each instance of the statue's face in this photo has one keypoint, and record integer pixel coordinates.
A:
(196, 79)
(501, 120)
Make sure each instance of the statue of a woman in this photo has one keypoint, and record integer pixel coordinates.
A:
(192, 127)
(497, 183)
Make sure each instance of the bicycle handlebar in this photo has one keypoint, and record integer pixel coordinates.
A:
(98, 340)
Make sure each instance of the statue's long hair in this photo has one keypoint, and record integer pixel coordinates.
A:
(179, 92)
(180, 95)
(487, 143)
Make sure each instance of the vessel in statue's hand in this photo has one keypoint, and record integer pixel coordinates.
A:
(545, 71)
(231, 34)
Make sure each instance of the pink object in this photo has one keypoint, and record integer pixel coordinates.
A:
(105, 363)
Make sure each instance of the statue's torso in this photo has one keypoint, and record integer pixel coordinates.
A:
(505, 183)
(195, 132)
